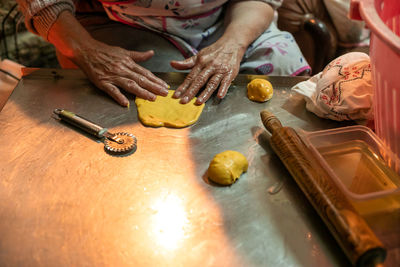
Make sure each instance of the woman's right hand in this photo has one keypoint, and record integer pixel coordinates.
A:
(110, 68)
(113, 69)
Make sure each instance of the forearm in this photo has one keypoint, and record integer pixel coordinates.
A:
(68, 35)
(245, 21)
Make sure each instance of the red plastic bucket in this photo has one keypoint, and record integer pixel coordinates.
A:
(383, 19)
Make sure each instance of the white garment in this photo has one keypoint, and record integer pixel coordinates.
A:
(342, 91)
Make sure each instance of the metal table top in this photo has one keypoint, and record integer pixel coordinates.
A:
(65, 202)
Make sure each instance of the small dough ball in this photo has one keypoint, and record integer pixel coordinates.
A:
(226, 167)
(259, 90)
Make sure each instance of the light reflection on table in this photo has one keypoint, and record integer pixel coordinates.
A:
(65, 202)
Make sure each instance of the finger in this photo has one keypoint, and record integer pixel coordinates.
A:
(187, 82)
(115, 93)
(132, 87)
(224, 86)
(212, 85)
(149, 85)
(184, 64)
(195, 86)
(141, 56)
(149, 75)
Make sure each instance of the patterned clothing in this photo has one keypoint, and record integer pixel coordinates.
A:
(189, 24)
(193, 24)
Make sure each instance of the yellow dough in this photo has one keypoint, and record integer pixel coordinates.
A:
(259, 90)
(226, 167)
(167, 111)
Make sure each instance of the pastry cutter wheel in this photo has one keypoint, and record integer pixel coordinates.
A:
(118, 143)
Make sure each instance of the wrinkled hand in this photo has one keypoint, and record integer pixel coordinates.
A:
(112, 69)
(214, 66)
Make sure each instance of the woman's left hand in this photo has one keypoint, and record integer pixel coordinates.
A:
(214, 67)
(217, 65)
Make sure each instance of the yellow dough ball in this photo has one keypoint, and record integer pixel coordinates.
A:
(259, 90)
(226, 167)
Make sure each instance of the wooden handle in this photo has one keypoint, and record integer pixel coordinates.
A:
(271, 123)
(350, 230)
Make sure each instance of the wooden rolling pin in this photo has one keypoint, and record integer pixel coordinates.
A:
(350, 230)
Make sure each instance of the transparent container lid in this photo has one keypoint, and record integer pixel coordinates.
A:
(354, 158)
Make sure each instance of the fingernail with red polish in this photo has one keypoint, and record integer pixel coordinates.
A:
(177, 94)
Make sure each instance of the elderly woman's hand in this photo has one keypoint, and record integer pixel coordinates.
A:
(218, 64)
(113, 69)
(214, 67)
(110, 68)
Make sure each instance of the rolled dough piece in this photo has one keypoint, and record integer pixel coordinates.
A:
(226, 167)
(259, 90)
(168, 112)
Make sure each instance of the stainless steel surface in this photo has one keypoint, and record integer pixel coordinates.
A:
(64, 202)
(120, 142)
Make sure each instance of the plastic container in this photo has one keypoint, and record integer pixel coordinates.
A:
(382, 17)
(353, 157)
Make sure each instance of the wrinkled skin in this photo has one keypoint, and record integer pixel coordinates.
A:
(112, 69)
(214, 67)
